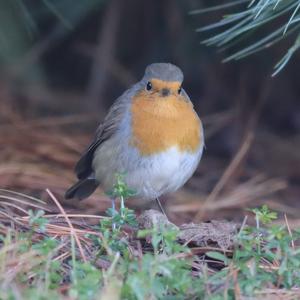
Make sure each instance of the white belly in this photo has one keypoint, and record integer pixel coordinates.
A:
(163, 173)
(149, 176)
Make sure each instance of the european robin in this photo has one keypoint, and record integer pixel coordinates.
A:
(152, 134)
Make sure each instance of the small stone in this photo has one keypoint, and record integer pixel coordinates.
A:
(215, 234)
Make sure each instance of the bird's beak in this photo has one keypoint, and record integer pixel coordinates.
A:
(165, 92)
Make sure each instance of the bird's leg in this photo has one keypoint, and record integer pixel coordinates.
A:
(160, 207)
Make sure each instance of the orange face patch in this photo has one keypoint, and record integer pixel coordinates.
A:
(158, 85)
(159, 123)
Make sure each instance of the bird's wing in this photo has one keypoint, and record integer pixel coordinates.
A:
(105, 130)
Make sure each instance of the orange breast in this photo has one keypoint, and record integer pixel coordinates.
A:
(159, 123)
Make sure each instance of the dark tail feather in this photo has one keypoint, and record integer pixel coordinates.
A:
(82, 189)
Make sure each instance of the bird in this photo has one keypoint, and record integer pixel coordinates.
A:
(152, 134)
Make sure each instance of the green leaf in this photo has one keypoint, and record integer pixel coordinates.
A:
(218, 256)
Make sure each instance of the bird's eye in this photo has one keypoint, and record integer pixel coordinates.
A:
(179, 90)
(149, 86)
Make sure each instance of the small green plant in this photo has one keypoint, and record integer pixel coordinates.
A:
(124, 215)
(36, 219)
(264, 215)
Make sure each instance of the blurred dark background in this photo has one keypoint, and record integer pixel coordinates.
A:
(63, 63)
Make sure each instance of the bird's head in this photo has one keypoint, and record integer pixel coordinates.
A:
(162, 80)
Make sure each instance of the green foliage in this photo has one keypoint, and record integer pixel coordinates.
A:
(267, 258)
(120, 189)
(159, 274)
(253, 16)
(36, 219)
(111, 228)
(264, 256)
(21, 31)
(86, 280)
(218, 256)
(264, 215)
